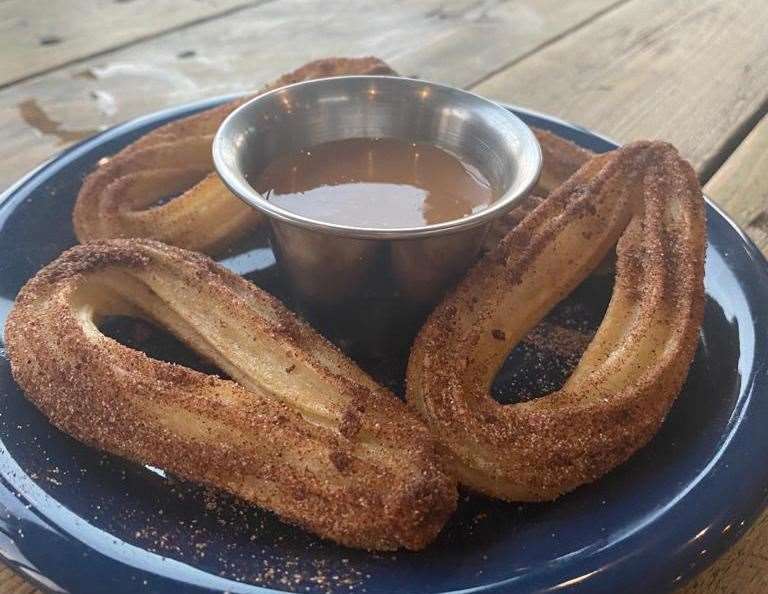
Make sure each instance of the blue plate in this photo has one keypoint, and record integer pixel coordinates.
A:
(75, 520)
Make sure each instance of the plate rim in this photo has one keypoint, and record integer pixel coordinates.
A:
(751, 510)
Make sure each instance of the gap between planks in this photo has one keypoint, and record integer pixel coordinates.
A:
(547, 43)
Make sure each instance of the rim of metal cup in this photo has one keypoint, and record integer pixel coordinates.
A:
(237, 183)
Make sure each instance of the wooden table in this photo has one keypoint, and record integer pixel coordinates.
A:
(694, 72)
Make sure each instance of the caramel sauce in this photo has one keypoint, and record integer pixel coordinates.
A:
(375, 182)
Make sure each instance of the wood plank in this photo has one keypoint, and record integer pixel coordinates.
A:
(10, 583)
(693, 73)
(741, 570)
(740, 187)
(37, 35)
(258, 44)
(483, 37)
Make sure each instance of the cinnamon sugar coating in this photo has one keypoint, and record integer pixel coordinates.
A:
(302, 431)
(646, 197)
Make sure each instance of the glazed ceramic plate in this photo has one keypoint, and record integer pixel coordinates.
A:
(75, 520)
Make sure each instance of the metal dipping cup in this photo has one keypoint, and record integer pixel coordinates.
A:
(345, 268)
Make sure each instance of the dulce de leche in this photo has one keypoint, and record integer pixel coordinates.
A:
(382, 183)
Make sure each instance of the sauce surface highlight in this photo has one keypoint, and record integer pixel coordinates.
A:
(381, 183)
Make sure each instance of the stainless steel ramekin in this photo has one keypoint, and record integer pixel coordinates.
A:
(332, 264)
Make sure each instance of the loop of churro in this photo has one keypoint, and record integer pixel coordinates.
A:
(643, 195)
(301, 430)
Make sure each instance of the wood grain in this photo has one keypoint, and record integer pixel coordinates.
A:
(37, 35)
(11, 583)
(693, 73)
(245, 50)
(741, 570)
(740, 187)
